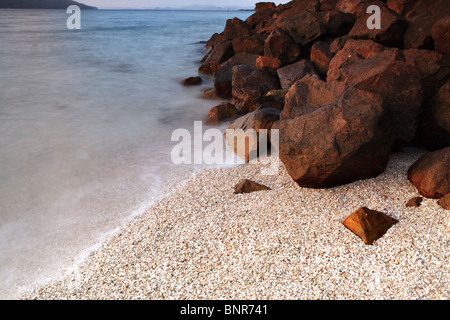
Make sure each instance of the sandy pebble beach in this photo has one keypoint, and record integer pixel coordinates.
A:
(204, 242)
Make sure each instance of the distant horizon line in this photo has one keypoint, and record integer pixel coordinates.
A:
(143, 9)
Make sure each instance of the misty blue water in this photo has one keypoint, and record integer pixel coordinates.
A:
(85, 123)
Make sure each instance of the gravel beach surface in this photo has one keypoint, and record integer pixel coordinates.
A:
(204, 242)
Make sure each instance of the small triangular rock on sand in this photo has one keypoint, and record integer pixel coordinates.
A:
(368, 224)
(248, 186)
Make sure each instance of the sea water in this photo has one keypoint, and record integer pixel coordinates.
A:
(85, 123)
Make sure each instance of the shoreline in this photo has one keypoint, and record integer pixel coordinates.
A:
(200, 241)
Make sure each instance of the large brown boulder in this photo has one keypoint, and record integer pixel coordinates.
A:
(435, 121)
(246, 132)
(382, 70)
(310, 94)
(221, 112)
(393, 26)
(263, 6)
(338, 143)
(263, 12)
(441, 35)
(236, 28)
(289, 74)
(304, 27)
(433, 67)
(221, 53)
(369, 225)
(248, 84)
(281, 46)
(268, 64)
(431, 174)
(224, 75)
(421, 16)
(253, 44)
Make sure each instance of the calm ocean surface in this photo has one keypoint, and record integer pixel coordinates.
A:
(85, 123)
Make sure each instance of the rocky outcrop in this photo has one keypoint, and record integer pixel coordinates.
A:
(347, 94)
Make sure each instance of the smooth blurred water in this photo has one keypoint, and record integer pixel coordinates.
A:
(85, 123)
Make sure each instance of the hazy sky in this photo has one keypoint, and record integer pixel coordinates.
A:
(171, 3)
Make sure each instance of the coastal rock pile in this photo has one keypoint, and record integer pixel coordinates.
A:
(350, 94)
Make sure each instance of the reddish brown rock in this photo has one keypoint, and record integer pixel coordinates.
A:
(236, 28)
(354, 7)
(260, 20)
(321, 56)
(414, 202)
(434, 69)
(248, 186)
(369, 225)
(382, 70)
(224, 75)
(309, 94)
(444, 202)
(304, 27)
(222, 112)
(192, 81)
(215, 39)
(221, 53)
(434, 130)
(289, 74)
(441, 35)
(338, 23)
(209, 93)
(431, 174)
(393, 26)
(421, 16)
(248, 84)
(279, 45)
(268, 64)
(249, 44)
(263, 6)
(337, 44)
(338, 143)
(246, 132)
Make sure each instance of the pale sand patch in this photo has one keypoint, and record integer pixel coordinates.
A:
(204, 242)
